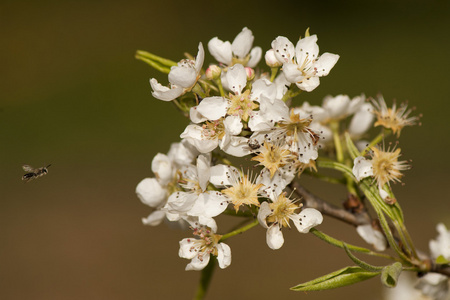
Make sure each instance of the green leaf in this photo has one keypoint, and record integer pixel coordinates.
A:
(340, 278)
(389, 275)
(441, 260)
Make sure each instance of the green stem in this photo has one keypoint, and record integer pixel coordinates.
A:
(205, 279)
(291, 94)
(384, 133)
(340, 244)
(240, 230)
(274, 72)
(337, 141)
(219, 84)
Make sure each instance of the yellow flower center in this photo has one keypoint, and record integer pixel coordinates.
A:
(241, 105)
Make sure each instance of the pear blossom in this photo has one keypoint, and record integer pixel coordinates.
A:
(276, 214)
(361, 121)
(199, 250)
(384, 166)
(341, 106)
(302, 64)
(154, 192)
(240, 51)
(393, 118)
(195, 200)
(182, 78)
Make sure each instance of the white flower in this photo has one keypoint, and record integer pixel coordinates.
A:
(304, 66)
(434, 285)
(441, 245)
(372, 236)
(182, 78)
(200, 250)
(154, 192)
(276, 215)
(196, 200)
(362, 120)
(240, 51)
(341, 106)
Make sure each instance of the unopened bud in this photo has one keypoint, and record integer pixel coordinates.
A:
(271, 59)
(213, 72)
(250, 73)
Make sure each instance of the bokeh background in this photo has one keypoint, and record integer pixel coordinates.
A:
(72, 94)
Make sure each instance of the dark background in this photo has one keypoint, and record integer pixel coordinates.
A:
(72, 94)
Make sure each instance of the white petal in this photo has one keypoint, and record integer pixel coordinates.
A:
(150, 192)
(220, 50)
(219, 175)
(223, 255)
(185, 248)
(255, 57)
(274, 237)
(275, 110)
(236, 78)
(199, 58)
(196, 116)
(306, 48)
(441, 245)
(292, 73)
(283, 49)
(182, 154)
(325, 63)
(309, 84)
(242, 43)
(155, 218)
(180, 202)
(164, 93)
(210, 204)
(238, 146)
(194, 135)
(263, 212)
(372, 236)
(203, 169)
(362, 120)
(233, 125)
(362, 168)
(336, 106)
(308, 218)
(162, 168)
(197, 264)
(264, 87)
(182, 76)
(213, 108)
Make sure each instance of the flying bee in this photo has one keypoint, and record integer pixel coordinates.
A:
(33, 173)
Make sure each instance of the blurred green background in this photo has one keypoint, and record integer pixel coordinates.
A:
(72, 94)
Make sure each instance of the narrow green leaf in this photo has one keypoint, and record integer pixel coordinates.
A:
(361, 263)
(160, 60)
(340, 278)
(153, 64)
(352, 150)
(389, 275)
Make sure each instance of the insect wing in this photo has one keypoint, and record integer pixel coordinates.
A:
(27, 168)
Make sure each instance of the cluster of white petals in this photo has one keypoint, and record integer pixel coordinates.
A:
(182, 78)
(302, 64)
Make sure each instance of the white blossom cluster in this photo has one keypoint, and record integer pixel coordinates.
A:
(238, 110)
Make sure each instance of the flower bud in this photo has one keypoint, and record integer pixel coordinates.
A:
(250, 73)
(213, 72)
(271, 59)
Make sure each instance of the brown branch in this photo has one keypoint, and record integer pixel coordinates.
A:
(311, 200)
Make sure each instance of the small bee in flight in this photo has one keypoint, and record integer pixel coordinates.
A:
(33, 173)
